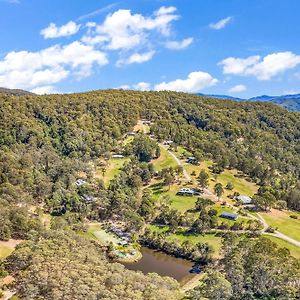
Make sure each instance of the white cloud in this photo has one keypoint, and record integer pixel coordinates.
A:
(142, 86)
(136, 58)
(195, 82)
(178, 45)
(238, 88)
(52, 31)
(262, 68)
(238, 66)
(25, 69)
(42, 90)
(123, 30)
(220, 24)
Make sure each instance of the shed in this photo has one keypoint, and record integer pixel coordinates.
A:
(117, 156)
(244, 199)
(229, 215)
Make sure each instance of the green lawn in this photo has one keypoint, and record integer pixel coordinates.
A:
(164, 161)
(241, 185)
(284, 223)
(5, 249)
(181, 203)
(295, 251)
(114, 167)
(158, 229)
(96, 232)
(211, 239)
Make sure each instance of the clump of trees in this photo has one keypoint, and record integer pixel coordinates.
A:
(76, 268)
(252, 268)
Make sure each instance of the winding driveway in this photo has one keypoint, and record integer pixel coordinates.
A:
(209, 193)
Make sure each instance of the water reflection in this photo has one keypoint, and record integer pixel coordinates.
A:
(163, 264)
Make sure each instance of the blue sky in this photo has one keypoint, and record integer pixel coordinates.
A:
(238, 47)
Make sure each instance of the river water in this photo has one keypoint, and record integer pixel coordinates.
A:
(154, 261)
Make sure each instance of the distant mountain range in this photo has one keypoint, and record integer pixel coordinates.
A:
(290, 102)
(14, 92)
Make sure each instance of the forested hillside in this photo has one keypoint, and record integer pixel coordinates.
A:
(49, 142)
(45, 140)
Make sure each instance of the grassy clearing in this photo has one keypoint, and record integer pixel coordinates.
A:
(181, 203)
(96, 232)
(211, 239)
(164, 161)
(180, 237)
(114, 167)
(158, 229)
(241, 184)
(294, 250)
(284, 223)
(6, 248)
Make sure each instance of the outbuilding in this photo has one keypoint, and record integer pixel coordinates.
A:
(229, 215)
(244, 200)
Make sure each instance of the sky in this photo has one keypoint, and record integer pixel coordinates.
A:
(242, 48)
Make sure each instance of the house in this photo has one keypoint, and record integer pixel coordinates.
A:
(123, 243)
(145, 121)
(80, 182)
(192, 160)
(168, 143)
(87, 198)
(117, 156)
(245, 200)
(186, 192)
(131, 133)
(229, 216)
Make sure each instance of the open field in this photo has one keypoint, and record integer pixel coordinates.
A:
(7, 247)
(294, 250)
(96, 232)
(181, 237)
(210, 239)
(164, 161)
(114, 167)
(181, 203)
(185, 203)
(283, 221)
(241, 184)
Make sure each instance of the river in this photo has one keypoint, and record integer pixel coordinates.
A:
(154, 261)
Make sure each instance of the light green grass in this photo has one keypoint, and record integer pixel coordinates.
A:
(241, 185)
(294, 250)
(164, 161)
(211, 239)
(5, 250)
(113, 169)
(158, 229)
(181, 203)
(181, 151)
(96, 232)
(284, 223)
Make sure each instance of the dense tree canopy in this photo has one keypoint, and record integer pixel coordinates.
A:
(66, 266)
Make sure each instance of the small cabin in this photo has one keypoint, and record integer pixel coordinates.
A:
(192, 160)
(80, 182)
(245, 200)
(87, 198)
(117, 156)
(229, 215)
(186, 192)
(131, 133)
